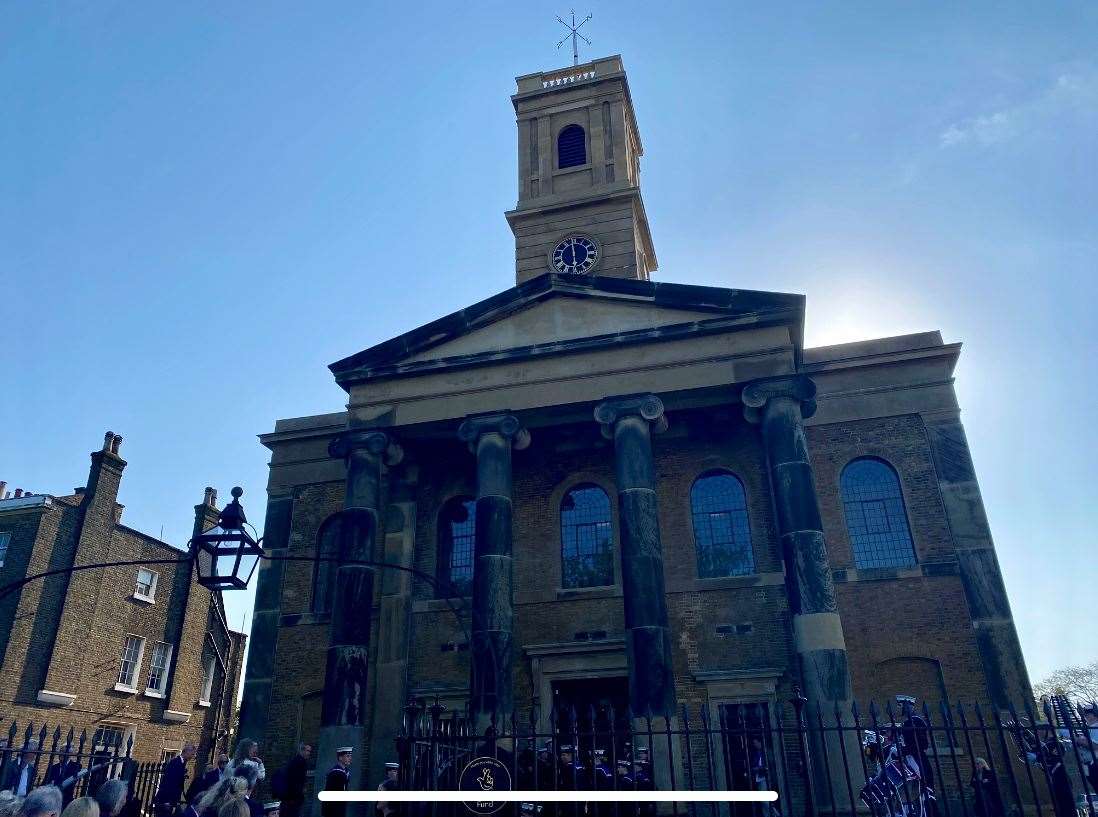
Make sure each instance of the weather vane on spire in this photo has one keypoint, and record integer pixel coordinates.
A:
(573, 32)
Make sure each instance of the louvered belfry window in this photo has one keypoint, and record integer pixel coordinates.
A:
(571, 147)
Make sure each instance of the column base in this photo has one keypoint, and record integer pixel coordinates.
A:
(331, 738)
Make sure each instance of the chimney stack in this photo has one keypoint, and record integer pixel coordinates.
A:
(3, 490)
(104, 477)
(206, 514)
(18, 492)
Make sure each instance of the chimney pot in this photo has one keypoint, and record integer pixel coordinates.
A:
(116, 443)
(108, 438)
(18, 492)
(3, 489)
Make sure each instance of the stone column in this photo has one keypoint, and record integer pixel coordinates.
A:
(629, 422)
(344, 706)
(780, 406)
(491, 438)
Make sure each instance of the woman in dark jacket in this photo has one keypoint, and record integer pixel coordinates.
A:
(985, 790)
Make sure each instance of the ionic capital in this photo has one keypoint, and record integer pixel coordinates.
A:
(506, 425)
(646, 406)
(372, 440)
(798, 388)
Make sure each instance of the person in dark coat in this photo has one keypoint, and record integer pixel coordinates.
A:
(208, 779)
(63, 775)
(20, 775)
(571, 776)
(296, 776)
(337, 779)
(172, 781)
(985, 791)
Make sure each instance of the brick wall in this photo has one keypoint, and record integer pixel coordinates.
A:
(66, 634)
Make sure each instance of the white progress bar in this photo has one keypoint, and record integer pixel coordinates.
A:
(619, 796)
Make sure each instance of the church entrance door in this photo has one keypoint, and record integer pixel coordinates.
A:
(592, 712)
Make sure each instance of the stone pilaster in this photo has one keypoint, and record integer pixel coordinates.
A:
(780, 406)
(629, 422)
(491, 438)
(259, 678)
(344, 707)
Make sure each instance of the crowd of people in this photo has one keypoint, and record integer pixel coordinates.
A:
(224, 789)
(901, 770)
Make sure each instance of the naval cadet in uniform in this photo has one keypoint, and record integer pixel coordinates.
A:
(337, 780)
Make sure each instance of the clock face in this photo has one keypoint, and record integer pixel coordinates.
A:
(575, 254)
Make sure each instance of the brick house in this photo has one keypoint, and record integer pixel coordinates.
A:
(653, 493)
(140, 650)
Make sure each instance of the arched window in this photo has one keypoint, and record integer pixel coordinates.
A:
(586, 538)
(456, 542)
(571, 147)
(722, 534)
(875, 516)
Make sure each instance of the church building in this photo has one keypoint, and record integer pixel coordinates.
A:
(604, 489)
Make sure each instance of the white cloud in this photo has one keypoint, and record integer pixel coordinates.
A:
(1072, 95)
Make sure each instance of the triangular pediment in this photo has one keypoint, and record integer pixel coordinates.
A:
(555, 314)
(561, 319)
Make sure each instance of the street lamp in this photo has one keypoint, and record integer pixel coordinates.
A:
(225, 556)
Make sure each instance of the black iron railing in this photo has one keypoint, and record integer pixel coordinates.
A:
(946, 760)
(78, 764)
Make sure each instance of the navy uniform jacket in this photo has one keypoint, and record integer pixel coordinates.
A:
(573, 777)
(337, 780)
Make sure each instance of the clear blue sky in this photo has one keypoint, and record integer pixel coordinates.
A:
(203, 204)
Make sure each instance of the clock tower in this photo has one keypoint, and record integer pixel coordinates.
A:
(579, 205)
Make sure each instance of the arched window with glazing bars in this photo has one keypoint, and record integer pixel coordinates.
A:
(876, 520)
(586, 538)
(722, 533)
(456, 546)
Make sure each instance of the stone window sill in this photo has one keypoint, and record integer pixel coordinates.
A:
(124, 688)
(441, 605)
(574, 169)
(153, 693)
(728, 582)
(205, 704)
(143, 598)
(609, 591)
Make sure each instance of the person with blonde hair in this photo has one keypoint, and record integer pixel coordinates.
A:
(231, 788)
(82, 807)
(234, 808)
